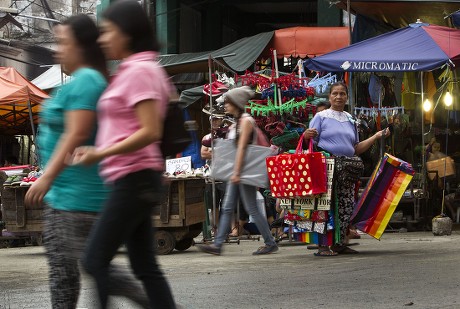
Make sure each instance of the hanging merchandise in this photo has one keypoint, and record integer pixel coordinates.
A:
(320, 202)
(297, 175)
(376, 90)
(372, 119)
(312, 218)
(287, 140)
(254, 80)
(385, 111)
(381, 195)
(309, 226)
(322, 84)
(289, 136)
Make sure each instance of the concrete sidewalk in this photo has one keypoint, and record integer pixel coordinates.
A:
(403, 269)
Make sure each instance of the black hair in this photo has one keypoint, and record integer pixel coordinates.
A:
(325, 104)
(86, 33)
(131, 18)
(338, 84)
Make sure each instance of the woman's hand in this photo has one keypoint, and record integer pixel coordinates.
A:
(310, 133)
(36, 193)
(235, 179)
(367, 143)
(385, 132)
(86, 155)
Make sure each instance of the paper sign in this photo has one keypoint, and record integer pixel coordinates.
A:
(179, 165)
(305, 203)
(285, 202)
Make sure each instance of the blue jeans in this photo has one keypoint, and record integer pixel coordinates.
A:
(126, 219)
(248, 196)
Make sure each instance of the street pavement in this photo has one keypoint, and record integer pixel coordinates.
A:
(402, 270)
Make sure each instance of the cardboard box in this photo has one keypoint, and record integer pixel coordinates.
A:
(444, 166)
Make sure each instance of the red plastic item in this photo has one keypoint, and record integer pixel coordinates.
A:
(299, 174)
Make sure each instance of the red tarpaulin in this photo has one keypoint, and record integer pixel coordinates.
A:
(309, 41)
(17, 94)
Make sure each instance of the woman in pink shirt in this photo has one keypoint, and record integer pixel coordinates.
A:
(130, 120)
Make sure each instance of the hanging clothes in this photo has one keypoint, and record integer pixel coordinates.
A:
(375, 89)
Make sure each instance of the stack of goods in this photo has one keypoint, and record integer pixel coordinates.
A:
(220, 85)
(303, 183)
(24, 179)
(194, 173)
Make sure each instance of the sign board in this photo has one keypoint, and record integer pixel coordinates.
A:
(179, 165)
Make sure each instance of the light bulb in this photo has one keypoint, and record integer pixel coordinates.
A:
(427, 105)
(448, 99)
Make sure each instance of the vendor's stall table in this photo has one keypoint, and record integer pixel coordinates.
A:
(178, 220)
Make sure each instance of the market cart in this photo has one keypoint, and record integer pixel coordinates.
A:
(21, 221)
(180, 216)
(178, 220)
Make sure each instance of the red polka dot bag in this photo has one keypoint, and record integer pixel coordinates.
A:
(299, 174)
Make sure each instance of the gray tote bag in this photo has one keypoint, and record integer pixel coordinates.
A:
(254, 171)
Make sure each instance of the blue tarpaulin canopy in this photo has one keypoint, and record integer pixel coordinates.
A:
(418, 47)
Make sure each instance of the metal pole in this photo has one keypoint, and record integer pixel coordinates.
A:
(213, 181)
(352, 104)
(349, 18)
(277, 74)
(379, 113)
(445, 164)
(31, 118)
(351, 94)
(423, 136)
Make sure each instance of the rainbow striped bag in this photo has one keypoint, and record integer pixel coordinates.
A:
(381, 195)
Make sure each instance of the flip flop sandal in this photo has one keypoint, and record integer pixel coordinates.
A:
(312, 247)
(325, 253)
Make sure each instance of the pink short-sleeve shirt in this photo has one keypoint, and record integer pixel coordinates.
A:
(138, 78)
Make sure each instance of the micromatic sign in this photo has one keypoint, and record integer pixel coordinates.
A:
(380, 66)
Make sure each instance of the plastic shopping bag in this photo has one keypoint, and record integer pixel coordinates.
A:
(299, 174)
(254, 171)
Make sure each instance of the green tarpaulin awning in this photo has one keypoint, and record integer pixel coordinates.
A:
(238, 56)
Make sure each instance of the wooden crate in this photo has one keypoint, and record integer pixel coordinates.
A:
(17, 216)
(183, 204)
(445, 167)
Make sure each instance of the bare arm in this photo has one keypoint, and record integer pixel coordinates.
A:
(366, 144)
(245, 135)
(205, 152)
(79, 125)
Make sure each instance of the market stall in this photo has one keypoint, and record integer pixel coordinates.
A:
(21, 223)
(19, 103)
(417, 48)
(19, 106)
